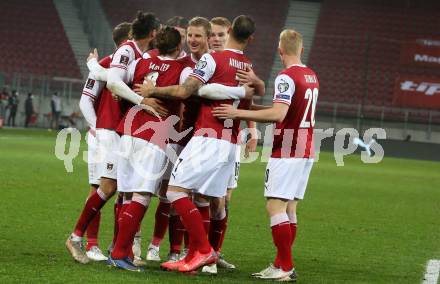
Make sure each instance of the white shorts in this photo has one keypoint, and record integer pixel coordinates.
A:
(233, 178)
(204, 166)
(93, 163)
(287, 178)
(141, 165)
(108, 145)
(173, 152)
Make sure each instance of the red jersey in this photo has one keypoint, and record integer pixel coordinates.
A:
(298, 87)
(111, 111)
(163, 72)
(219, 67)
(190, 108)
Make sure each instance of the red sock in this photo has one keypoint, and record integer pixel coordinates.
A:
(282, 237)
(205, 212)
(92, 231)
(216, 233)
(93, 204)
(192, 220)
(293, 231)
(185, 237)
(175, 233)
(162, 217)
(116, 210)
(128, 225)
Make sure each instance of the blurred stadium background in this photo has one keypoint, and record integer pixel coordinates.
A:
(363, 51)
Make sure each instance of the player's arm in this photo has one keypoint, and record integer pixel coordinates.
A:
(175, 92)
(99, 72)
(251, 144)
(284, 92)
(249, 77)
(216, 91)
(276, 113)
(91, 91)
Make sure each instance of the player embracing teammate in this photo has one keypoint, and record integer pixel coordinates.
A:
(288, 170)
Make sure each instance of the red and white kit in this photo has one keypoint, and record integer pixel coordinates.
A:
(111, 111)
(206, 163)
(289, 167)
(144, 140)
(89, 103)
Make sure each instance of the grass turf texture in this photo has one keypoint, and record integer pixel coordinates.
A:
(359, 223)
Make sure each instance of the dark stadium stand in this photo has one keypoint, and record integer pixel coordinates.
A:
(268, 15)
(34, 41)
(357, 46)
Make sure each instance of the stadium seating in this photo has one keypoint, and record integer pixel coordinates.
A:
(34, 41)
(268, 15)
(357, 47)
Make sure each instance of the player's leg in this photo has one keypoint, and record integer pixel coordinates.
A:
(293, 220)
(200, 251)
(92, 247)
(175, 234)
(162, 217)
(202, 203)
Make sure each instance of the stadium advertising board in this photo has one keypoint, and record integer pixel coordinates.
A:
(417, 92)
(421, 52)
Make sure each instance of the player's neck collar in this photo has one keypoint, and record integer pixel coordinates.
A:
(165, 58)
(234, 50)
(299, 65)
(137, 47)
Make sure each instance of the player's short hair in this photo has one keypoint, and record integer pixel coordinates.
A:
(243, 27)
(177, 21)
(121, 33)
(221, 21)
(143, 25)
(291, 41)
(168, 40)
(201, 22)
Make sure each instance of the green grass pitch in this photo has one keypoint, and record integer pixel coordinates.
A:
(375, 223)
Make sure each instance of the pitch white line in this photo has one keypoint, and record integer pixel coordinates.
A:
(432, 272)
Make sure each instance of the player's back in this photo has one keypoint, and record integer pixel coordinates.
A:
(162, 72)
(227, 63)
(296, 130)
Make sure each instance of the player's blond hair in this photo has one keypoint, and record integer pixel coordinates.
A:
(221, 21)
(291, 42)
(201, 22)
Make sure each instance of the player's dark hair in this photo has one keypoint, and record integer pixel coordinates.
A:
(121, 33)
(201, 22)
(177, 21)
(143, 25)
(242, 28)
(168, 40)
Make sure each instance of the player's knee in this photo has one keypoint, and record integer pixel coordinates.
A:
(143, 198)
(176, 195)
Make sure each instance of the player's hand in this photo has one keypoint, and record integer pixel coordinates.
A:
(251, 146)
(93, 55)
(92, 132)
(116, 97)
(225, 111)
(249, 91)
(247, 77)
(154, 106)
(144, 89)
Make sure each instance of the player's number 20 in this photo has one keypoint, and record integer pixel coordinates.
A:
(312, 98)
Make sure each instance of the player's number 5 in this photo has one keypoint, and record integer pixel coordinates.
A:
(312, 98)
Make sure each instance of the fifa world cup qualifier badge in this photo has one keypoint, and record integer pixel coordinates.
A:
(90, 83)
(199, 66)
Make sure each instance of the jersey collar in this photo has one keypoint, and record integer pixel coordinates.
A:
(234, 50)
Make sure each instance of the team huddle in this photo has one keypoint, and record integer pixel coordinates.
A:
(166, 123)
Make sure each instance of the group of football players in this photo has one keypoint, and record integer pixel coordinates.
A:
(166, 123)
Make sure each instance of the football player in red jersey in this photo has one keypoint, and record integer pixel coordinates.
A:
(288, 170)
(205, 163)
(88, 105)
(218, 224)
(143, 162)
(109, 114)
(197, 41)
